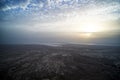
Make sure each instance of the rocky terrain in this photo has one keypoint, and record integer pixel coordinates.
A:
(65, 62)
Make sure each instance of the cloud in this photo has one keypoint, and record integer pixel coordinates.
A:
(53, 4)
(13, 4)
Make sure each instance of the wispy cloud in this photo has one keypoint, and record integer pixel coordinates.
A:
(13, 4)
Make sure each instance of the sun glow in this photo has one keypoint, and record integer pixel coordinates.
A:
(83, 35)
(92, 25)
(90, 28)
(86, 23)
(86, 35)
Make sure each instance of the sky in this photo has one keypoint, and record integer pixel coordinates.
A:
(60, 21)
